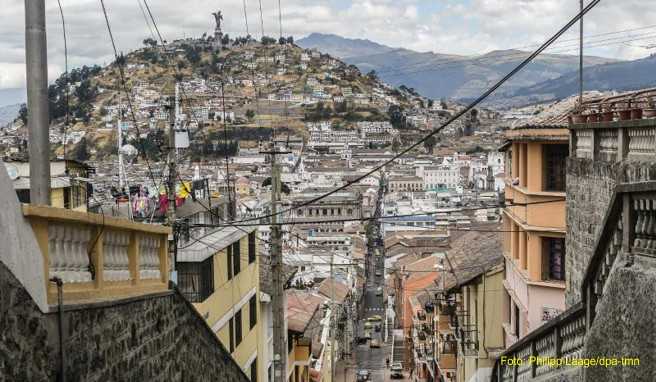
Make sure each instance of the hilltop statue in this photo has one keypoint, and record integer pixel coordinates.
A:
(218, 17)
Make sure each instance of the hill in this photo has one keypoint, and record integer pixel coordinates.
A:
(255, 86)
(438, 75)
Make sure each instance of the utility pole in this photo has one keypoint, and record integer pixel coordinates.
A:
(278, 297)
(170, 212)
(581, 59)
(38, 123)
(333, 317)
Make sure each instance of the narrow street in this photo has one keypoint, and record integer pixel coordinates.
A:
(366, 357)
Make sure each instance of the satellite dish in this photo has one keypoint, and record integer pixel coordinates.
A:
(12, 171)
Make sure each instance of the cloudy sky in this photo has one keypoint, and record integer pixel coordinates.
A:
(445, 26)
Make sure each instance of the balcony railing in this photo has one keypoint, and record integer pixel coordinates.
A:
(615, 140)
(99, 257)
(629, 229)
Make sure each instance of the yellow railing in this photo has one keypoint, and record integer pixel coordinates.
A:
(99, 257)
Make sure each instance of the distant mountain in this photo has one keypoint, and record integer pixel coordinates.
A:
(341, 47)
(8, 113)
(439, 75)
(628, 75)
(12, 96)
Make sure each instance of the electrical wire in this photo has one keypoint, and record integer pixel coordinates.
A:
(68, 107)
(127, 93)
(455, 117)
(374, 218)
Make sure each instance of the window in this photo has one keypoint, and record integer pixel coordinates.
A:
(231, 332)
(555, 157)
(252, 311)
(236, 258)
(517, 321)
(553, 259)
(251, 248)
(196, 280)
(254, 370)
(229, 262)
(238, 327)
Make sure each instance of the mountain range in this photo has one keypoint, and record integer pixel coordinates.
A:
(437, 75)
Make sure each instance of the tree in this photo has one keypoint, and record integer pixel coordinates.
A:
(22, 113)
(225, 40)
(150, 42)
(429, 144)
(282, 41)
(250, 114)
(372, 75)
(290, 40)
(430, 103)
(396, 116)
(396, 145)
(121, 60)
(266, 40)
(81, 151)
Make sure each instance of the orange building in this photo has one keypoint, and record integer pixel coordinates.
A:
(534, 227)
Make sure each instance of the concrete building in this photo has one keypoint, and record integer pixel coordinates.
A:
(534, 225)
(219, 274)
(70, 183)
(401, 183)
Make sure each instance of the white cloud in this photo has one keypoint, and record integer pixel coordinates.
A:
(455, 26)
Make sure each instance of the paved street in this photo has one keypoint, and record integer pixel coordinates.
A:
(367, 358)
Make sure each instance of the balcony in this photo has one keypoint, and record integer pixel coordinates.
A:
(616, 128)
(99, 257)
(629, 231)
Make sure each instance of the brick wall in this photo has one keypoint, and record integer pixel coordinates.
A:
(154, 338)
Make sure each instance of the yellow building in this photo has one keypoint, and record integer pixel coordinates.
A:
(467, 323)
(68, 183)
(219, 274)
(305, 328)
(534, 227)
(479, 329)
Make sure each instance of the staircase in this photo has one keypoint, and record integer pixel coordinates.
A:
(397, 347)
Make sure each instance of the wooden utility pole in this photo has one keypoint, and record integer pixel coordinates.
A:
(278, 298)
(333, 317)
(38, 122)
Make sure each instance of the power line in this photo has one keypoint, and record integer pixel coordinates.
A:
(373, 218)
(127, 93)
(154, 23)
(143, 13)
(492, 57)
(450, 120)
(68, 111)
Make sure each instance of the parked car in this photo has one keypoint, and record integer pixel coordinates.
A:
(362, 340)
(374, 343)
(396, 371)
(379, 291)
(363, 375)
(374, 318)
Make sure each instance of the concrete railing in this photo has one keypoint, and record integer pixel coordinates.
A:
(614, 141)
(629, 229)
(99, 257)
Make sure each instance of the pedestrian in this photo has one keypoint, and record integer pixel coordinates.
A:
(387, 362)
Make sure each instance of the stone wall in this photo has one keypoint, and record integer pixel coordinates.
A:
(153, 338)
(624, 324)
(590, 187)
